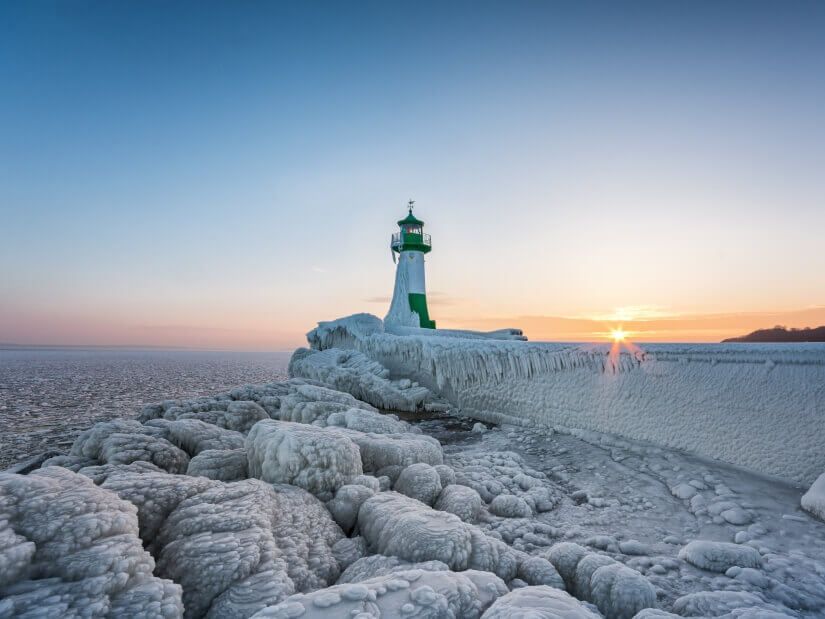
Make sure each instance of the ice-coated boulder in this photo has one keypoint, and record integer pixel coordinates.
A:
(315, 404)
(316, 459)
(460, 500)
(368, 421)
(393, 524)
(195, 436)
(585, 569)
(620, 592)
(234, 547)
(348, 550)
(380, 451)
(348, 500)
(379, 565)
(493, 474)
(726, 604)
(125, 441)
(368, 481)
(220, 464)
(70, 548)
(510, 506)
(419, 481)
(446, 473)
(813, 501)
(354, 373)
(539, 571)
(565, 558)
(719, 556)
(540, 602)
(239, 416)
(411, 593)
(616, 589)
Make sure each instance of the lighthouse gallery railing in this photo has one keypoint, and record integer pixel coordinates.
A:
(425, 239)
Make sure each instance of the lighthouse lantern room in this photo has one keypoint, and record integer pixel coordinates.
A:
(409, 299)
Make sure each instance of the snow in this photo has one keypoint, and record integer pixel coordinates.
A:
(756, 406)
(813, 501)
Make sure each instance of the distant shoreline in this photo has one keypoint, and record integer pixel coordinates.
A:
(781, 335)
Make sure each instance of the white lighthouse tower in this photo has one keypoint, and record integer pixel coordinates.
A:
(409, 298)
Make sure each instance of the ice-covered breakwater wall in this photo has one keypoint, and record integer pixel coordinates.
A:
(757, 406)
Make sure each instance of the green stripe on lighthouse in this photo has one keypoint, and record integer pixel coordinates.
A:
(418, 304)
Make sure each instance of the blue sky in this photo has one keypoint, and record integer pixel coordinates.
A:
(228, 173)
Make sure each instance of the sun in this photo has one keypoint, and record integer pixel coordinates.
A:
(618, 335)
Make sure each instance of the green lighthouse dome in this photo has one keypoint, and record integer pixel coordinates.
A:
(411, 235)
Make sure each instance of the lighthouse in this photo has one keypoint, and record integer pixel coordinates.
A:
(409, 298)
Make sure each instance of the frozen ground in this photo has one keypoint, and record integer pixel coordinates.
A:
(298, 499)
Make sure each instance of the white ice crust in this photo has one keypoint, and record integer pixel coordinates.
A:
(413, 593)
(756, 406)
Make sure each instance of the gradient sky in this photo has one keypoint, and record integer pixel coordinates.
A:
(227, 174)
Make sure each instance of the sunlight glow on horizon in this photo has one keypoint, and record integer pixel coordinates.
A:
(229, 177)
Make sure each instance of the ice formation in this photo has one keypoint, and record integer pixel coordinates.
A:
(540, 602)
(72, 549)
(413, 593)
(303, 498)
(315, 459)
(419, 481)
(813, 500)
(756, 406)
(719, 556)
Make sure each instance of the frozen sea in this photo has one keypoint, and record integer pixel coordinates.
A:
(48, 396)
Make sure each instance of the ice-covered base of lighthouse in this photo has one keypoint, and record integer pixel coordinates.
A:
(301, 499)
(409, 298)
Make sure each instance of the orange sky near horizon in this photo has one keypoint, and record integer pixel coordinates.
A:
(258, 333)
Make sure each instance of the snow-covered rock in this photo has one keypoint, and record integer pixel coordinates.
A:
(565, 557)
(446, 474)
(726, 604)
(316, 459)
(379, 451)
(354, 373)
(348, 551)
(393, 524)
(70, 548)
(616, 589)
(620, 592)
(539, 571)
(419, 481)
(813, 501)
(719, 556)
(348, 500)
(234, 547)
(195, 436)
(412, 593)
(510, 506)
(539, 602)
(220, 464)
(462, 501)
(379, 565)
(396, 525)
